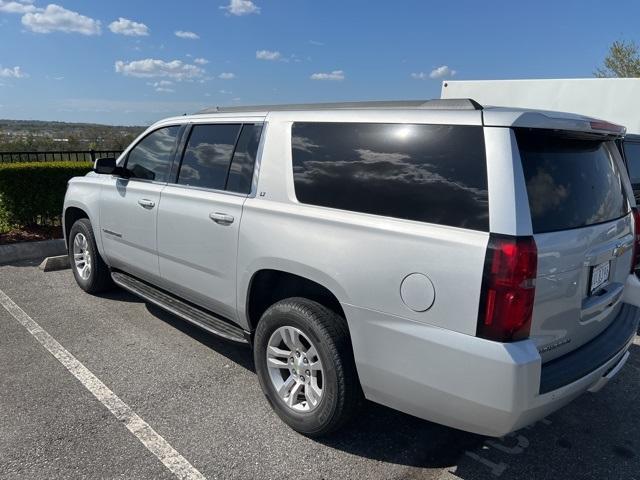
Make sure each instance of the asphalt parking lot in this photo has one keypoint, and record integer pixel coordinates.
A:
(201, 395)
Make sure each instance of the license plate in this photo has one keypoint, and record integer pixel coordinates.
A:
(599, 276)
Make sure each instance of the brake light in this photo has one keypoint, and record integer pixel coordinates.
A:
(508, 288)
(610, 127)
(635, 259)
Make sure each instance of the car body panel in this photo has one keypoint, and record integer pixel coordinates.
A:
(198, 256)
(565, 315)
(128, 228)
(84, 193)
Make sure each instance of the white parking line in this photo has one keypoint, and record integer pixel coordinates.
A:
(176, 463)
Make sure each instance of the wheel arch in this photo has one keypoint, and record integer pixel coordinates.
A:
(73, 211)
(270, 284)
(71, 215)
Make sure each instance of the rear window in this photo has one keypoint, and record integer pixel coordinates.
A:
(571, 182)
(428, 173)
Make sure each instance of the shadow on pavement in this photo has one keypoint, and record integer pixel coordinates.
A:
(239, 354)
(386, 435)
(596, 436)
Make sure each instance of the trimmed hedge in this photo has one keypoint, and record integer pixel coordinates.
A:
(33, 192)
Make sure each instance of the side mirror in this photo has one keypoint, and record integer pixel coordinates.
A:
(107, 166)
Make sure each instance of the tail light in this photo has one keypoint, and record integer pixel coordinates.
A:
(508, 288)
(635, 259)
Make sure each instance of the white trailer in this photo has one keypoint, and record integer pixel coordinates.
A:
(616, 100)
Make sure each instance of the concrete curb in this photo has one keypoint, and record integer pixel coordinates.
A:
(51, 264)
(14, 252)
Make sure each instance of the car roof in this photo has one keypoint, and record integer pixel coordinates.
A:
(491, 116)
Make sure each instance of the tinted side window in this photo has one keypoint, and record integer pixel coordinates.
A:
(151, 158)
(244, 159)
(632, 153)
(207, 156)
(429, 173)
(571, 182)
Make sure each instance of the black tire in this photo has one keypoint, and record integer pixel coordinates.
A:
(99, 278)
(330, 335)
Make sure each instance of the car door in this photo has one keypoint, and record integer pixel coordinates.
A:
(199, 215)
(129, 204)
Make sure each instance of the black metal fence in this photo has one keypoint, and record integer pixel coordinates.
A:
(56, 156)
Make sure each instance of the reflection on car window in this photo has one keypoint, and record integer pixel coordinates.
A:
(208, 155)
(244, 159)
(429, 173)
(151, 158)
(571, 182)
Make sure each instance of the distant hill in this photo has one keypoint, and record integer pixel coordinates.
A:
(35, 135)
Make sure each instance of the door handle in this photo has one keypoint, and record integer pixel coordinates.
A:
(146, 203)
(221, 218)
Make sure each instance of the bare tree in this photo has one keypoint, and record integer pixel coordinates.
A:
(623, 60)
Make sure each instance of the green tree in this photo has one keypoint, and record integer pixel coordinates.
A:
(623, 60)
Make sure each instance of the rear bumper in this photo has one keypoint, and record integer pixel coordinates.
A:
(458, 380)
(590, 356)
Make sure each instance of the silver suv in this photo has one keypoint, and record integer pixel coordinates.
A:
(467, 266)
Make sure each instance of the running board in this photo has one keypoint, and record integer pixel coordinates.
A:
(199, 317)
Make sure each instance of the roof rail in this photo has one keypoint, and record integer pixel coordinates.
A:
(436, 104)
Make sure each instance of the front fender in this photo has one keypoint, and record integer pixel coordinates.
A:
(84, 193)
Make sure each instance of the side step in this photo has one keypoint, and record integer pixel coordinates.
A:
(199, 317)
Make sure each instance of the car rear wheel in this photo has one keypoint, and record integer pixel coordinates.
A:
(89, 270)
(304, 361)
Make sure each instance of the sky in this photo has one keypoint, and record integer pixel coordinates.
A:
(132, 62)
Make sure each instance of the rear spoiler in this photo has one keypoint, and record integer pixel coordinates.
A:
(551, 121)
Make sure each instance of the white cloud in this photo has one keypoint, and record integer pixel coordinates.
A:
(241, 7)
(17, 7)
(162, 86)
(161, 83)
(335, 75)
(15, 72)
(124, 26)
(227, 76)
(268, 55)
(201, 61)
(316, 43)
(225, 92)
(187, 35)
(149, 68)
(443, 71)
(55, 18)
(440, 72)
(372, 156)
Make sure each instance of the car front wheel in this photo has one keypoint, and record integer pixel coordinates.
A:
(89, 270)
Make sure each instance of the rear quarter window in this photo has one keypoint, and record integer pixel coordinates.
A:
(427, 173)
(571, 182)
